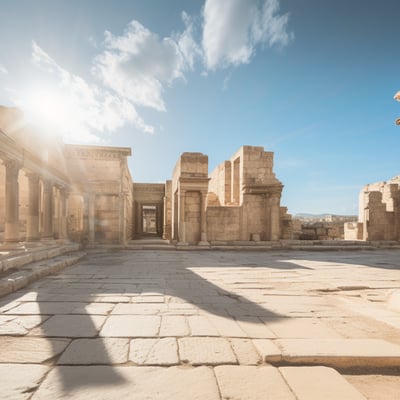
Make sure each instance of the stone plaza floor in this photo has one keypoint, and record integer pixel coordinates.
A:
(183, 325)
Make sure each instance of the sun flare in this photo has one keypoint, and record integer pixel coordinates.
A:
(47, 108)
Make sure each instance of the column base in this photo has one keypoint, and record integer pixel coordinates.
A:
(203, 243)
(9, 246)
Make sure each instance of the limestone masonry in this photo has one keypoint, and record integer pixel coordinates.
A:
(379, 212)
(52, 190)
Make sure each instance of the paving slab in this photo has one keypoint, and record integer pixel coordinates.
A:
(226, 326)
(174, 326)
(339, 352)
(29, 349)
(70, 326)
(20, 326)
(17, 381)
(245, 351)
(252, 383)
(45, 308)
(255, 328)
(206, 351)
(316, 383)
(300, 328)
(154, 351)
(268, 350)
(95, 351)
(131, 326)
(140, 383)
(138, 309)
(201, 326)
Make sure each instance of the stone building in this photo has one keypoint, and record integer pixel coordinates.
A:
(379, 212)
(55, 191)
(239, 201)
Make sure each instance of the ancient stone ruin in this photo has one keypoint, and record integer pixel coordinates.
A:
(51, 190)
(379, 212)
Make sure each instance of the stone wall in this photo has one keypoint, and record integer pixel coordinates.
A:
(379, 211)
(223, 223)
(240, 200)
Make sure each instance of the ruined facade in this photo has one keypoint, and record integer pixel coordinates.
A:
(56, 191)
(379, 212)
(238, 201)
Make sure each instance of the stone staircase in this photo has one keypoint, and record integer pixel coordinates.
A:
(21, 266)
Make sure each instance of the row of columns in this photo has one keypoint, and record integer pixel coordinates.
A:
(12, 226)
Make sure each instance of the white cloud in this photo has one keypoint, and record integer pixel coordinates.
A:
(233, 28)
(78, 109)
(3, 70)
(138, 64)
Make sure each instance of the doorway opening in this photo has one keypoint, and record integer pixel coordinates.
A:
(149, 220)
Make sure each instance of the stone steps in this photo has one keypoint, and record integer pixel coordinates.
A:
(22, 268)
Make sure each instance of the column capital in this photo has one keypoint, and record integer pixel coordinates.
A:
(12, 166)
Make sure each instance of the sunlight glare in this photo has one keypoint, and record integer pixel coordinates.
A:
(48, 108)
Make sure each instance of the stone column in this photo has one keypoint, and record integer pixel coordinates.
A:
(122, 218)
(32, 223)
(275, 231)
(11, 233)
(181, 221)
(63, 214)
(203, 219)
(91, 216)
(47, 210)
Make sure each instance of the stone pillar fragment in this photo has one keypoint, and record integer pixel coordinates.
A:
(182, 224)
(32, 223)
(203, 218)
(63, 214)
(92, 199)
(275, 231)
(11, 233)
(47, 210)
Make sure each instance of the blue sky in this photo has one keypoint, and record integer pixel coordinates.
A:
(313, 81)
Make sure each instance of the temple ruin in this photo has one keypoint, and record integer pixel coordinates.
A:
(55, 191)
(379, 212)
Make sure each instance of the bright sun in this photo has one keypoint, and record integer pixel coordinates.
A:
(48, 108)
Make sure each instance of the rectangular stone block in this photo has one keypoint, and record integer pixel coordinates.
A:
(252, 383)
(174, 326)
(17, 381)
(96, 351)
(71, 326)
(206, 351)
(268, 350)
(154, 351)
(340, 352)
(245, 351)
(29, 349)
(140, 383)
(316, 383)
(131, 326)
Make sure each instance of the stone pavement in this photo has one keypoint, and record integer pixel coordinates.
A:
(207, 325)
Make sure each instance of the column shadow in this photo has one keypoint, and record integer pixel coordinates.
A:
(71, 297)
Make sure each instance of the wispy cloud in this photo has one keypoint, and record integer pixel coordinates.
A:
(139, 64)
(233, 28)
(3, 69)
(135, 68)
(81, 110)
